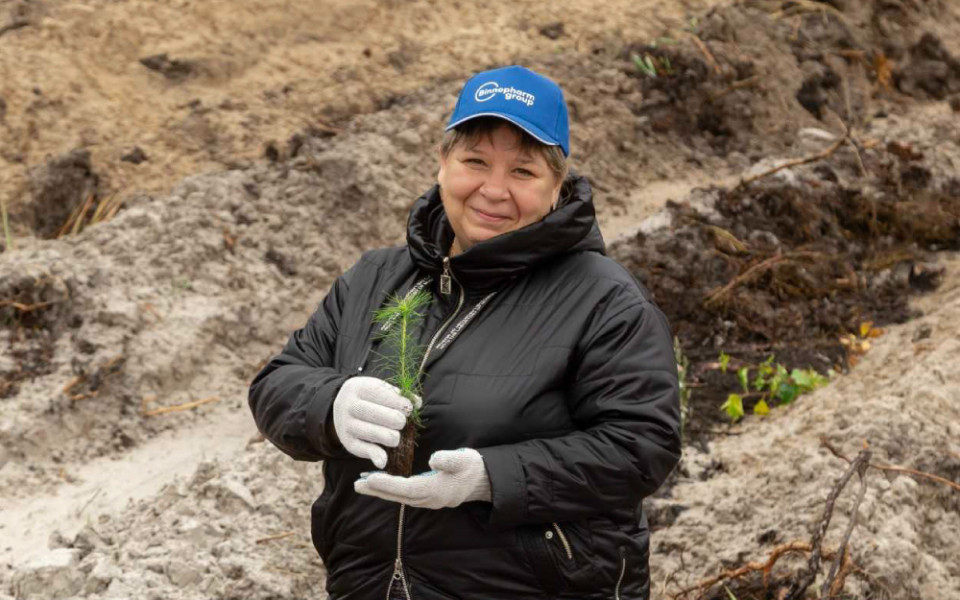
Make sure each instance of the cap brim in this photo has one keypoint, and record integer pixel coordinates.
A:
(530, 128)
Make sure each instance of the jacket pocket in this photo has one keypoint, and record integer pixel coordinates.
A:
(318, 516)
(561, 555)
(533, 539)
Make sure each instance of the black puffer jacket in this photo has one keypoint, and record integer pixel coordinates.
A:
(552, 362)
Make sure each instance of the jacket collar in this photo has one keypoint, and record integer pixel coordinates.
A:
(490, 264)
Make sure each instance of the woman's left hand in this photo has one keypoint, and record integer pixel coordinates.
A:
(457, 476)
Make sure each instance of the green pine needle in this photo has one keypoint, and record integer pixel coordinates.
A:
(403, 361)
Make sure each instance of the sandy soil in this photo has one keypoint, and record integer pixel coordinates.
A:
(239, 77)
(278, 149)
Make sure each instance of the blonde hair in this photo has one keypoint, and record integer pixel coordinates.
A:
(470, 132)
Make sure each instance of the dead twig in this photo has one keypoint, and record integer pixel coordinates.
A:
(706, 53)
(856, 152)
(87, 503)
(26, 307)
(893, 468)
(73, 383)
(806, 576)
(736, 85)
(801, 7)
(13, 25)
(179, 407)
(828, 583)
(716, 296)
(931, 476)
(276, 536)
(765, 567)
(794, 163)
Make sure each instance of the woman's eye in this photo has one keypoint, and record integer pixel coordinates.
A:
(525, 172)
(473, 161)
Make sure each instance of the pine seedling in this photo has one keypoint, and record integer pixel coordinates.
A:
(397, 321)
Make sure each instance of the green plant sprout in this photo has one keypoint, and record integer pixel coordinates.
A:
(398, 320)
(772, 382)
(653, 66)
(645, 64)
(401, 316)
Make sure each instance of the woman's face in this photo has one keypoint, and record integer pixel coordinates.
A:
(493, 187)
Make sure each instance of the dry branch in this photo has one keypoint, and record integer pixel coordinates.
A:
(829, 582)
(806, 577)
(180, 407)
(706, 53)
(736, 85)
(795, 163)
(894, 468)
(276, 536)
(765, 567)
(718, 295)
(26, 307)
(13, 25)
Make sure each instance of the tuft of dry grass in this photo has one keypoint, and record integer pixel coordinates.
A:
(105, 210)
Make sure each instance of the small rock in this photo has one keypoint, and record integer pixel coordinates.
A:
(175, 70)
(135, 156)
(926, 276)
(53, 575)
(813, 133)
(283, 262)
(205, 471)
(763, 240)
(922, 332)
(182, 574)
(102, 575)
(768, 536)
(409, 140)
(552, 30)
(232, 496)
(240, 491)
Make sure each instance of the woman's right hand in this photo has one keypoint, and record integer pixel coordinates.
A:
(369, 411)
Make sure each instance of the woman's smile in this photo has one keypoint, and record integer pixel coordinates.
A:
(488, 216)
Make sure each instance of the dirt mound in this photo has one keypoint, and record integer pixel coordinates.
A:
(793, 263)
(209, 86)
(764, 485)
(228, 531)
(741, 80)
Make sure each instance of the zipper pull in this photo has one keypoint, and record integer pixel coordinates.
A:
(445, 286)
(397, 568)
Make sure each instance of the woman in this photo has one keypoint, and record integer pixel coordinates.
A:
(550, 392)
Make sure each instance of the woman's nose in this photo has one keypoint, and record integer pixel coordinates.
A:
(495, 189)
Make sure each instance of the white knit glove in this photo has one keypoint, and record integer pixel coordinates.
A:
(458, 476)
(369, 411)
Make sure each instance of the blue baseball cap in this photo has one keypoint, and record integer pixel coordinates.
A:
(525, 98)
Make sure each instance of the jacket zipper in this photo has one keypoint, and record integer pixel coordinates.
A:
(563, 540)
(445, 277)
(398, 563)
(623, 570)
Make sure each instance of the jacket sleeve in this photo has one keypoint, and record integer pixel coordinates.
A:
(292, 396)
(624, 399)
